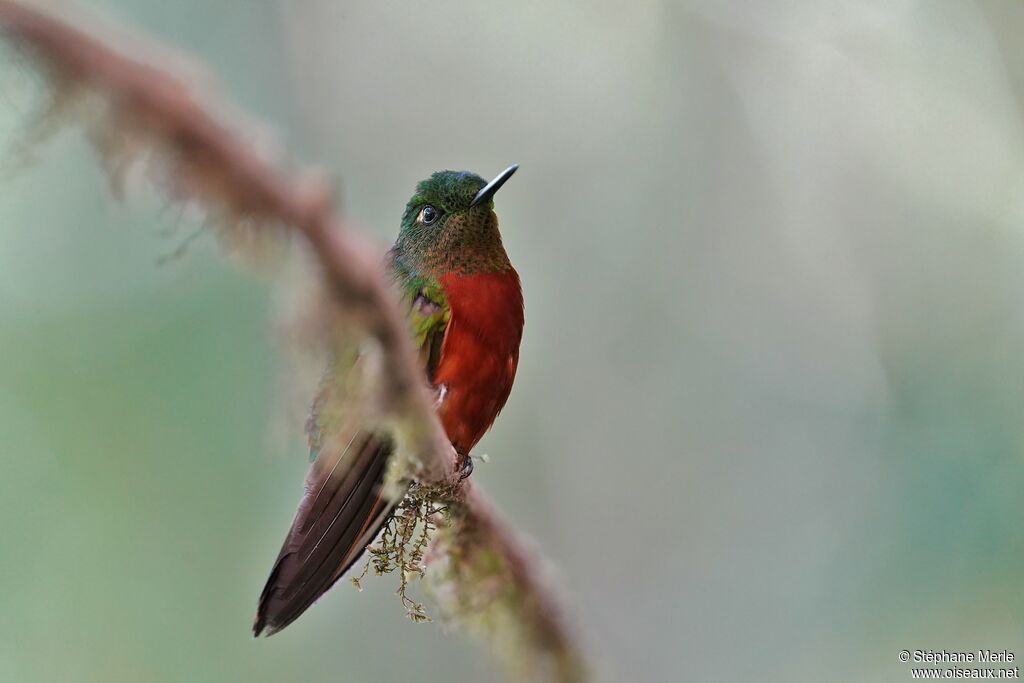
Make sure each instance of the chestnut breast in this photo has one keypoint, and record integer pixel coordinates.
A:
(480, 351)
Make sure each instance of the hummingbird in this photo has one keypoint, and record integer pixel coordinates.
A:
(464, 306)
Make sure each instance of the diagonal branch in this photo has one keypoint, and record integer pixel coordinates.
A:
(211, 164)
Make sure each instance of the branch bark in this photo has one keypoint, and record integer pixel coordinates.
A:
(478, 548)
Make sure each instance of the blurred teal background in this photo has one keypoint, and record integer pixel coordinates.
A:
(769, 419)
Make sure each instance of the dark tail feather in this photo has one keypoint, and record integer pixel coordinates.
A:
(340, 513)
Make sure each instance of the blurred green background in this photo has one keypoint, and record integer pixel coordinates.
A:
(769, 418)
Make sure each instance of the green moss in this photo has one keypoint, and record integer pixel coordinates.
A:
(405, 539)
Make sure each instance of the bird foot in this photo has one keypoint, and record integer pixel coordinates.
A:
(465, 466)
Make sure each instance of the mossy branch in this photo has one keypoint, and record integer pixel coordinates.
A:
(482, 574)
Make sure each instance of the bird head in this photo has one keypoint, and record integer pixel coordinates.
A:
(449, 224)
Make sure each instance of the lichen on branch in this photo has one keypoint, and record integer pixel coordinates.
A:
(481, 573)
(403, 543)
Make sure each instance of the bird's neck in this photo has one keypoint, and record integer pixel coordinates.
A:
(434, 263)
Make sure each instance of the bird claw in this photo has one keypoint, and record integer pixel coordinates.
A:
(439, 395)
(465, 467)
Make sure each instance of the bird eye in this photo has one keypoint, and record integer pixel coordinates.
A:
(429, 215)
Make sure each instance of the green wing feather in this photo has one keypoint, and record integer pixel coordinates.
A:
(428, 314)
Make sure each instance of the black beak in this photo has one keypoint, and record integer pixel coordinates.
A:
(490, 188)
